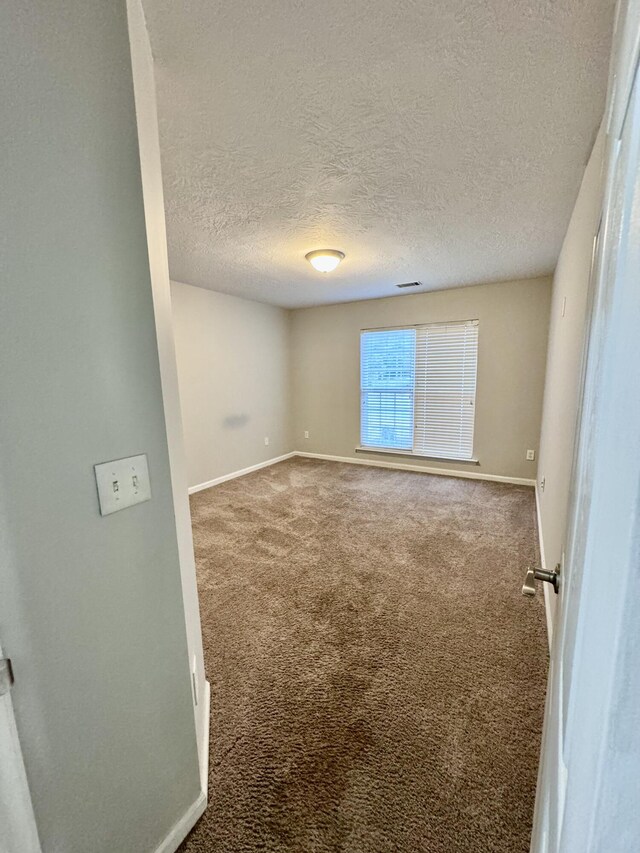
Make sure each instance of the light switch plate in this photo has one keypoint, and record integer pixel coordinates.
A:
(122, 483)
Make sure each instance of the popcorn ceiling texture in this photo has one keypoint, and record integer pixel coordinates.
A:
(436, 140)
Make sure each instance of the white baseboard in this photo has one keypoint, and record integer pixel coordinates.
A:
(240, 473)
(374, 463)
(183, 826)
(403, 466)
(543, 565)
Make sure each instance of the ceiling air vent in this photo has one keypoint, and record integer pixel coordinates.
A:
(409, 284)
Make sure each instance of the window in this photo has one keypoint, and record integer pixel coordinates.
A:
(418, 388)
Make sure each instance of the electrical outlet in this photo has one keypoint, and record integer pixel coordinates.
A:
(531, 455)
(542, 482)
(306, 433)
(266, 441)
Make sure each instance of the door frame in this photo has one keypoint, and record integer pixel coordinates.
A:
(142, 67)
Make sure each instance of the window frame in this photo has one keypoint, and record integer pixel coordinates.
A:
(397, 451)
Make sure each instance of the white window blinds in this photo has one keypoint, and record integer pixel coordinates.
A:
(418, 388)
(446, 364)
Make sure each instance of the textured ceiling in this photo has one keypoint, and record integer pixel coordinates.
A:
(433, 140)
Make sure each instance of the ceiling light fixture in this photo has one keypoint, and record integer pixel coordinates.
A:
(324, 260)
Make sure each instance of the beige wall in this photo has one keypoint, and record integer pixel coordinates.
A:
(564, 360)
(233, 369)
(511, 363)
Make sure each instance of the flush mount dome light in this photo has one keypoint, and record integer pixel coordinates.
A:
(324, 260)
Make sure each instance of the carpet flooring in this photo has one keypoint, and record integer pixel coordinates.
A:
(377, 677)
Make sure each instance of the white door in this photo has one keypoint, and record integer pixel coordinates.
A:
(18, 833)
(588, 798)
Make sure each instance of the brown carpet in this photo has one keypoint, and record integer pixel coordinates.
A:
(377, 677)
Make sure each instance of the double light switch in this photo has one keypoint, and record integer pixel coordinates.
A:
(122, 483)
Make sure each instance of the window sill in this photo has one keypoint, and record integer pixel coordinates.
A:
(389, 451)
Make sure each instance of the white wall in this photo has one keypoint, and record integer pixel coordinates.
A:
(233, 368)
(149, 145)
(511, 361)
(564, 362)
(91, 608)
